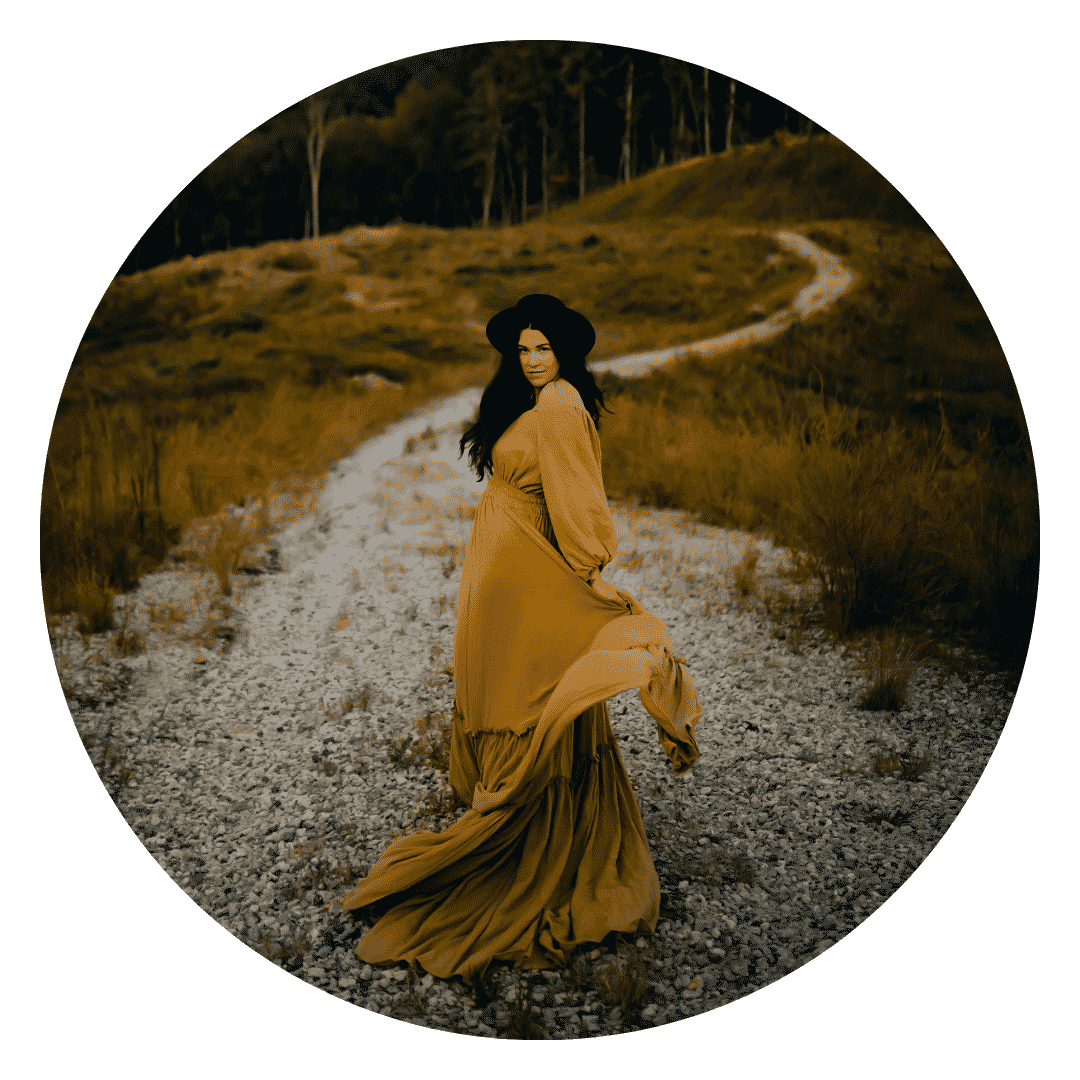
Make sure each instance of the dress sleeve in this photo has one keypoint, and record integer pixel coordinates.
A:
(569, 451)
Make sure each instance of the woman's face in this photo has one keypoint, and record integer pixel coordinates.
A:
(537, 360)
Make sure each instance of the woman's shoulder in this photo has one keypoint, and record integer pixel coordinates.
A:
(559, 392)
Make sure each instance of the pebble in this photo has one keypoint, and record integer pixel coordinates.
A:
(266, 798)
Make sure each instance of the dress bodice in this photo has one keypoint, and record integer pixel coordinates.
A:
(553, 451)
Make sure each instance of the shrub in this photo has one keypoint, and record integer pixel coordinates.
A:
(743, 574)
(94, 601)
(624, 980)
(358, 700)
(891, 523)
(523, 1020)
(123, 480)
(888, 660)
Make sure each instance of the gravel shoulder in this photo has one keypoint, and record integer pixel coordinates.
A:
(264, 751)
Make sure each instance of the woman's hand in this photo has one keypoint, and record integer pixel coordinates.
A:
(605, 589)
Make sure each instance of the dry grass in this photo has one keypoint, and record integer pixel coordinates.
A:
(885, 764)
(221, 542)
(113, 506)
(317, 871)
(888, 660)
(106, 754)
(441, 804)
(429, 747)
(292, 950)
(167, 615)
(94, 603)
(743, 573)
(889, 524)
(359, 700)
(215, 633)
(130, 641)
(523, 1020)
(623, 980)
(912, 767)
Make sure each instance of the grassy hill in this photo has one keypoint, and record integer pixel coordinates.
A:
(786, 179)
(215, 381)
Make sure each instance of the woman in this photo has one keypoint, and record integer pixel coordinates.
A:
(552, 853)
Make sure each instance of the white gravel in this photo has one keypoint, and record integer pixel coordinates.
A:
(245, 776)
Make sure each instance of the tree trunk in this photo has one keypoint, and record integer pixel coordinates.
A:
(544, 162)
(524, 188)
(730, 115)
(708, 145)
(692, 98)
(581, 140)
(505, 215)
(508, 170)
(681, 135)
(628, 108)
(489, 187)
(316, 143)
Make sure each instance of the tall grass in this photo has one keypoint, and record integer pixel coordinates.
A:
(895, 525)
(121, 488)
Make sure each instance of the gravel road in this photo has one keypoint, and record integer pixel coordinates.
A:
(267, 767)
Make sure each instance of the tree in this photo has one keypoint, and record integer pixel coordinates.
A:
(321, 116)
(540, 68)
(730, 115)
(482, 124)
(582, 65)
(628, 111)
(676, 78)
(705, 77)
(315, 145)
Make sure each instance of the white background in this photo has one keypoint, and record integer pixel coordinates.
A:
(111, 108)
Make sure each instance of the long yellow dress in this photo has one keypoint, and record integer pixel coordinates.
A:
(552, 853)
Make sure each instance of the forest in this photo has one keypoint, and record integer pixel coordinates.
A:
(479, 134)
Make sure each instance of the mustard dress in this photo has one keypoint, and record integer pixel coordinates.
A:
(552, 853)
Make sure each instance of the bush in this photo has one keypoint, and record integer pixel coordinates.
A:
(888, 660)
(895, 525)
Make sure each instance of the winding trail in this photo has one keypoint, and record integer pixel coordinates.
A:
(831, 281)
(351, 477)
(400, 501)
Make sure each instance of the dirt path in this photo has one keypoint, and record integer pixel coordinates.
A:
(356, 474)
(831, 281)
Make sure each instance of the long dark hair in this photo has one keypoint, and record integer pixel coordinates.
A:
(509, 394)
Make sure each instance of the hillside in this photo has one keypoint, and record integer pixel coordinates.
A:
(785, 179)
(205, 382)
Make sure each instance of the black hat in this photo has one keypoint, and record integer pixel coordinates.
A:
(565, 328)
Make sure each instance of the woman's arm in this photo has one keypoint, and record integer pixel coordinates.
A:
(569, 451)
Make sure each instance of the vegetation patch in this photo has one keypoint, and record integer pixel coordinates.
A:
(888, 660)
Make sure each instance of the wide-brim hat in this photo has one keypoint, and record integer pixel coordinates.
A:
(566, 329)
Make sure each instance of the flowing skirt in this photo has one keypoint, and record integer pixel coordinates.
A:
(552, 853)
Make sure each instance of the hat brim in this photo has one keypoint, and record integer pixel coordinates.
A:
(547, 314)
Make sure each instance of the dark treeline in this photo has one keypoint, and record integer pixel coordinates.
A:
(467, 136)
